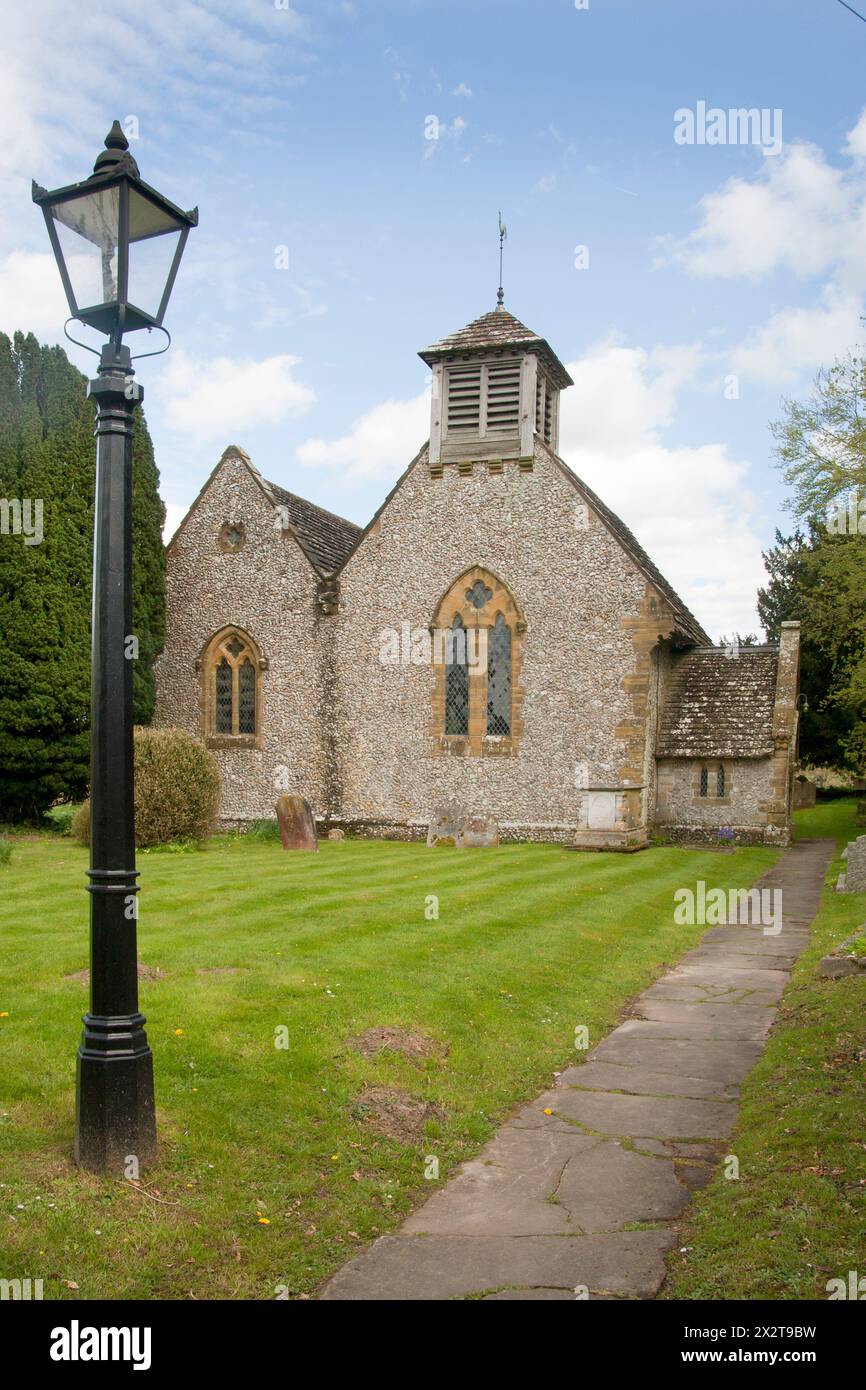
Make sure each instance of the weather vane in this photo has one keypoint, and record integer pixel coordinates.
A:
(503, 237)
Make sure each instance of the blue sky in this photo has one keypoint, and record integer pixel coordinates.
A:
(306, 127)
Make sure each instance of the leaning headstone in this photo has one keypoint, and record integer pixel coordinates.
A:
(855, 876)
(452, 827)
(297, 827)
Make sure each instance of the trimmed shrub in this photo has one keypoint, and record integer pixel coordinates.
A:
(177, 789)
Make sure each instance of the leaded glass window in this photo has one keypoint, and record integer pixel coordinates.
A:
(233, 671)
(499, 678)
(223, 698)
(456, 680)
(720, 781)
(705, 781)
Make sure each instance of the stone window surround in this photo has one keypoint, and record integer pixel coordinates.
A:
(206, 664)
(226, 545)
(711, 766)
(478, 743)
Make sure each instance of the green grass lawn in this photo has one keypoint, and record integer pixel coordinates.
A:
(797, 1215)
(530, 942)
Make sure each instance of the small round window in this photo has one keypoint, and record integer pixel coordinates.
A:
(232, 536)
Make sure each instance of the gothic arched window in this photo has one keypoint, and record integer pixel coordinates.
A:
(478, 646)
(231, 668)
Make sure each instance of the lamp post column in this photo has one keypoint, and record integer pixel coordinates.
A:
(114, 1110)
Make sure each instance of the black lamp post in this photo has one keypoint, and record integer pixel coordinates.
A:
(118, 244)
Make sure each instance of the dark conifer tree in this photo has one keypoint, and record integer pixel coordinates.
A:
(47, 452)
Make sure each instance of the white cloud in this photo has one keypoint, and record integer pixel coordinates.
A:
(799, 214)
(794, 214)
(690, 508)
(224, 397)
(31, 296)
(855, 145)
(379, 444)
(174, 515)
(462, 90)
(797, 340)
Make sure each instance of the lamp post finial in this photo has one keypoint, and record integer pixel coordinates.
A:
(116, 153)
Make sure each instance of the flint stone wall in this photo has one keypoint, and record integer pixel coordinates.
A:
(268, 588)
(680, 812)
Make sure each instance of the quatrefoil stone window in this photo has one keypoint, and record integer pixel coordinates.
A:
(232, 536)
(479, 594)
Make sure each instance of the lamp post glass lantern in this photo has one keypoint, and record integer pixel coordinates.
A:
(118, 244)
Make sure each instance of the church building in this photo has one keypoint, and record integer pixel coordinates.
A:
(494, 639)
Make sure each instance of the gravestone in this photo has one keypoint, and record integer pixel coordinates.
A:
(855, 876)
(844, 959)
(297, 827)
(478, 833)
(452, 826)
(336, 834)
(804, 794)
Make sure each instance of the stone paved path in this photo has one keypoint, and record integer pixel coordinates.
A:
(633, 1131)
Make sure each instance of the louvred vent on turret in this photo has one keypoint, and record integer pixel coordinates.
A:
(464, 399)
(484, 398)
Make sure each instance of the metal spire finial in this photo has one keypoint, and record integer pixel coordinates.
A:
(503, 237)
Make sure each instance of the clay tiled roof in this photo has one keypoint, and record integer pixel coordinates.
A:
(327, 538)
(719, 705)
(498, 329)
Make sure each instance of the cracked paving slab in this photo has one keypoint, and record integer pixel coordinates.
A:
(549, 1208)
(702, 1021)
(641, 1081)
(629, 1116)
(405, 1267)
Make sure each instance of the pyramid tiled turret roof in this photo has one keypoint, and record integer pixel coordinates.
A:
(496, 331)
